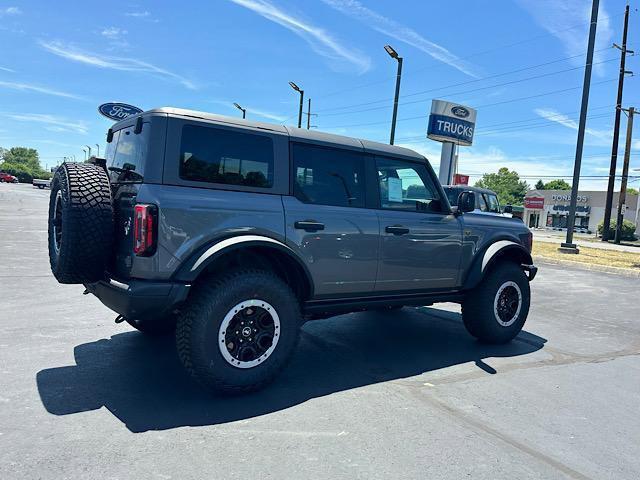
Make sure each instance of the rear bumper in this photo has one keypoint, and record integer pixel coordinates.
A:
(140, 299)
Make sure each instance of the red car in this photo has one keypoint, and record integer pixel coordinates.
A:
(8, 178)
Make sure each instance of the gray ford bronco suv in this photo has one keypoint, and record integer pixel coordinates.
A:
(232, 233)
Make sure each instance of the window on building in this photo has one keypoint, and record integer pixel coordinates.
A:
(216, 155)
(328, 176)
(407, 186)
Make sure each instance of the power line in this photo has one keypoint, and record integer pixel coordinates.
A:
(467, 57)
(422, 92)
(513, 100)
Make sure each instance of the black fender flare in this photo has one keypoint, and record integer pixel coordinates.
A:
(486, 258)
(203, 257)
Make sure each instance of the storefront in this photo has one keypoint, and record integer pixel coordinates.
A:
(550, 209)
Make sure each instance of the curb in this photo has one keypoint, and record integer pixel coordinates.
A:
(590, 267)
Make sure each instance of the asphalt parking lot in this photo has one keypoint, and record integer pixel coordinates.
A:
(401, 395)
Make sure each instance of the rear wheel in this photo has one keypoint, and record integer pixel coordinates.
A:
(238, 331)
(496, 310)
(80, 223)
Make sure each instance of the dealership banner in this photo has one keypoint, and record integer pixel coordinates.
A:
(451, 122)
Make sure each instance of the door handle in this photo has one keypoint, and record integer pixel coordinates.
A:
(397, 229)
(309, 225)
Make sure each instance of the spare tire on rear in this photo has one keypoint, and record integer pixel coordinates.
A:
(80, 223)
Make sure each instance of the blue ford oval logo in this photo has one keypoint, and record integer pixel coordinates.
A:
(118, 111)
(459, 111)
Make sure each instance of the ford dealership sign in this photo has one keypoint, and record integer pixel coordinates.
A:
(118, 111)
(450, 122)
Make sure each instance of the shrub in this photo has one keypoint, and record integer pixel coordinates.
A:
(24, 173)
(628, 229)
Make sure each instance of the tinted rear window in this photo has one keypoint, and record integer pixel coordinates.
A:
(126, 154)
(226, 157)
(328, 176)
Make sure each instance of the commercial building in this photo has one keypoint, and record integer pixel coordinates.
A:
(550, 209)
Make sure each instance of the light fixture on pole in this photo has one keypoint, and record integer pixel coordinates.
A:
(89, 148)
(299, 90)
(243, 110)
(85, 154)
(393, 54)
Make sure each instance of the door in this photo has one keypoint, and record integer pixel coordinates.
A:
(420, 240)
(327, 222)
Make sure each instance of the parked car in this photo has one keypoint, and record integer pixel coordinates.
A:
(7, 178)
(41, 183)
(486, 200)
(233, 233)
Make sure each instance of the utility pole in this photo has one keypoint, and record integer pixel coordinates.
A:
(393, 54)
(309, 114)
(616, 130)
(301, 92)
(568, 246)
(625, 174)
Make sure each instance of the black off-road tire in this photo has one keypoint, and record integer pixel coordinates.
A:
(199, 327)
(80, 223)
(481, 308)
(155, 327)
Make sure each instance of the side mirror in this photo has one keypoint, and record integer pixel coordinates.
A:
(467, 202)
(508, 209)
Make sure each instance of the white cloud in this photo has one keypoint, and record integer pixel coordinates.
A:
(319, 39)
(559, 18)
(113, 33)
(10, 11)
(53, 123)
(24, 87)
(560, 118)
(5, 69)
(144, 14)
(393, 29)
(113, 63)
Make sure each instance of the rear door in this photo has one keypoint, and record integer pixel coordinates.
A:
(125, 159)
(420, 240)
(327, 221)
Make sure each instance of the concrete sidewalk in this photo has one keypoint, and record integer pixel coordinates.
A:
(559, 237)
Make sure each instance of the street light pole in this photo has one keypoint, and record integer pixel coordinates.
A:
(98, 147)
(568, 246)
(85, 154)
(243, 110)
(393, 54)
(89, 148)
(299, 90)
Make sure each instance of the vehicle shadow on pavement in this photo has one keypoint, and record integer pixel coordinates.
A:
(141, 382)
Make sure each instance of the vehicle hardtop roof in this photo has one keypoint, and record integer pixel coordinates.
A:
(295, 134)
(467, 188)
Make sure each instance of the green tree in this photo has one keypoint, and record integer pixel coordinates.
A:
(506, 184)
(539, 185)
(22, 162)
(632, 191)
(557, 185)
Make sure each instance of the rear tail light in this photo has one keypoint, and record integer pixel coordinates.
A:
(144, 230)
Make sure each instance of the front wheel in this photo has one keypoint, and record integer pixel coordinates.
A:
(496, 310)
(238, 331)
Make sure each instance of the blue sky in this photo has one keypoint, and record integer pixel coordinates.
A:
(520, 63)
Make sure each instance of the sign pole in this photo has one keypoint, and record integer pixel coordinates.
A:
(447, 167)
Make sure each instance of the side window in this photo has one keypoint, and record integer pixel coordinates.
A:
(407, 186)
(481, 204)
(216, 155)
(328, 176)
(492, 203)
(126, 154)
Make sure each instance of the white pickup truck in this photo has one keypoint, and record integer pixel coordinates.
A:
(41, 183)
